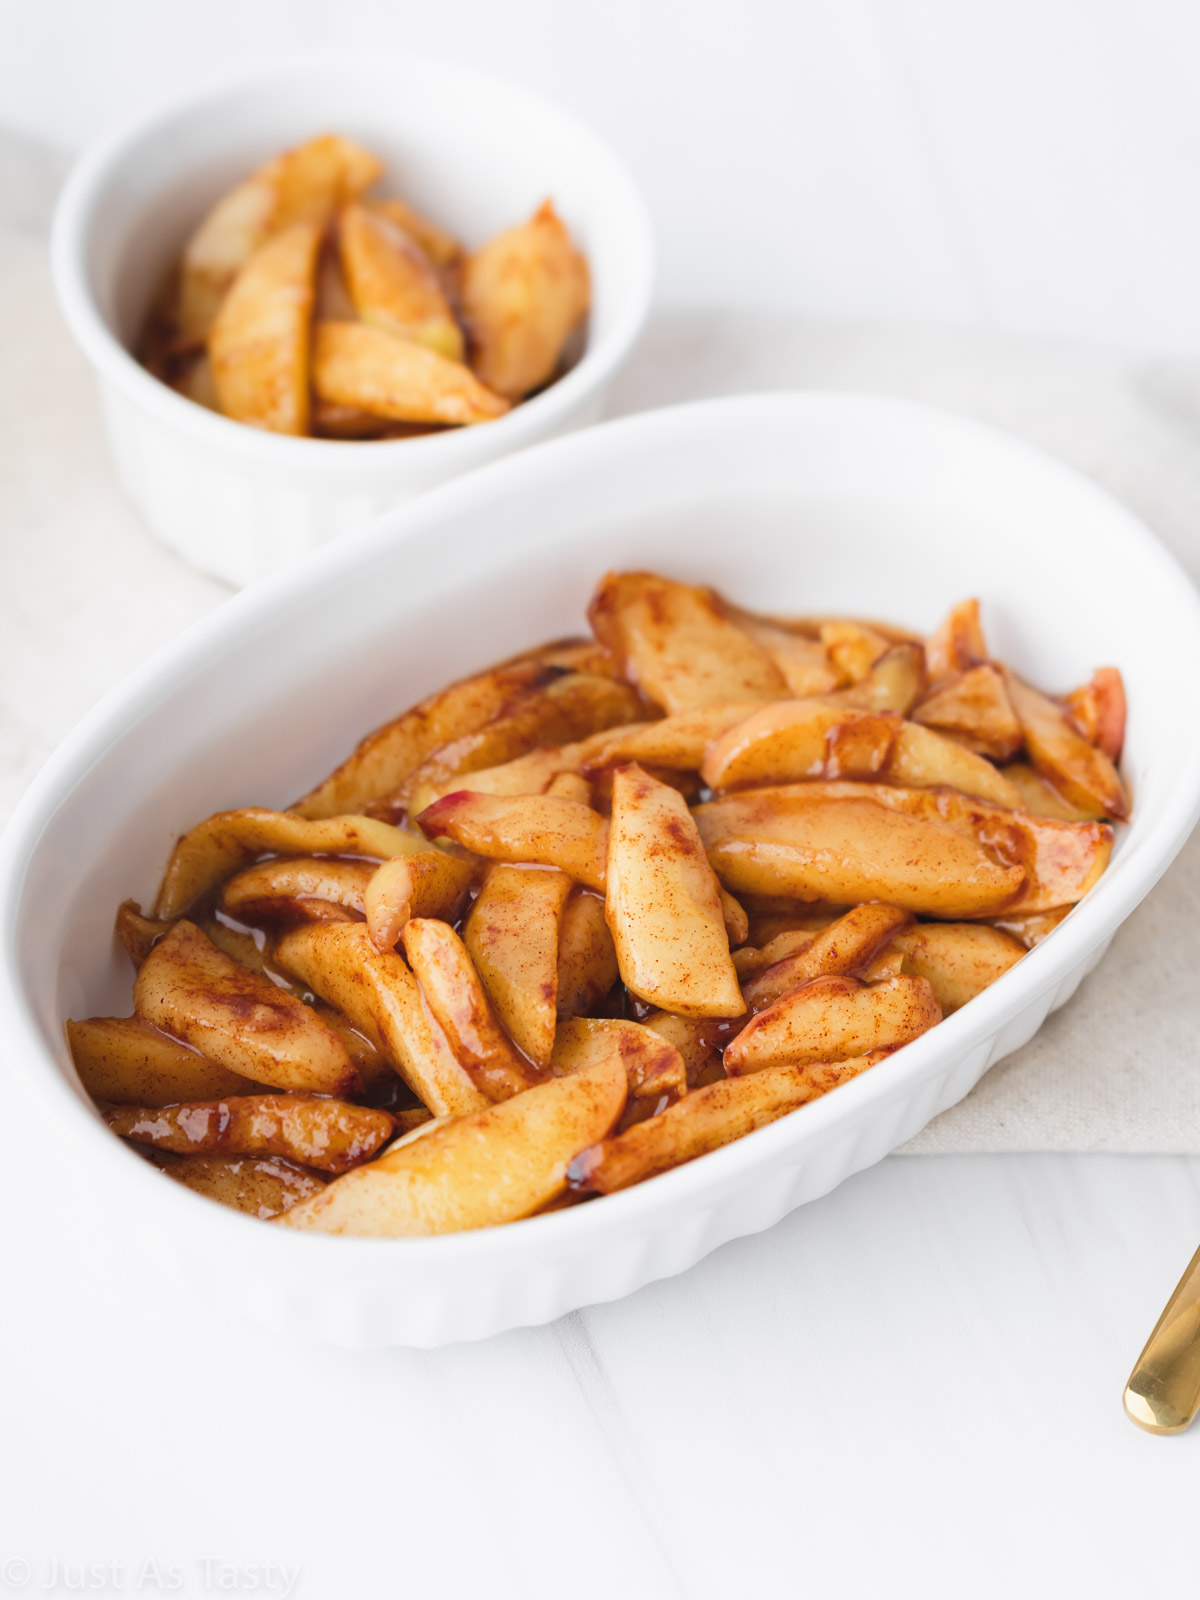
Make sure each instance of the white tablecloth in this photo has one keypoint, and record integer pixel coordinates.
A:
(87, 594)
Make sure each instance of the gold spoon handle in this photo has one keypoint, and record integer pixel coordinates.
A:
(1163, 1392)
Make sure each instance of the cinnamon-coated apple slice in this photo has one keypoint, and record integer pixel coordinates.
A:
(371, 369)
(1081, 771)
(663, 903)
(223, 843)
(852, 847)
(680, 645)
(974, 707)
(711, 1116)
(306, 184)
(534, 829)
(477, 1171)
(430, 884)
(832, 1018)
(330, 1135)
(201, 996)
(522, 295)
(386, 757)
(128, 1061)
(512, 934)
(259, 342)
(377, 993)
(587, 958)
(958, 959)
(456, 996)
(392, 283)
(653, 1065)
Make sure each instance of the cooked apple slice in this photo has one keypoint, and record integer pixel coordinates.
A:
(369, 1061)
(959, 959)
(893, 683)
(1098, 710)
(128, 1061)
(750, 959)
(140, 934)
(259, 343)
(442, 248)
(698, 1040)
(460, 1006)
(795, 739)
(663, 904)
(1041, 799)
(306, 184)
(974, 707)
(494, 1166)
(262, 1187)
(512, 935)
(535, 773)
(570, 786)
(832, 1018)
(331, 1135)
(852, 648)
(333, 302)
(679, 645)
(686, 784)
(676, 742)
(137, 932)
(1062, 860)
(430, 884)
(585, 655)
(217, 847)
(705, 1120)
(653, 1065)
(357, 365)
(804, 836)
(844, 947)
(803, 661)
(196, 993)
(522, 295)
(378, 995)
(382, 761)
(850, 848)
(570, 707)
(737, 923)
(534, 829)
(1031, 927)
(1079, 770)
(392, 283)
(243, 947)
(770, 916)
(923, 759)
(296, 886)
(587, 958)
(958, 644)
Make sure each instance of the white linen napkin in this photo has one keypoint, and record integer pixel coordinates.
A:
(87, 594)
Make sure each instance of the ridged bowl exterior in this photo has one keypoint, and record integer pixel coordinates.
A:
(803, 503)
(240, 519)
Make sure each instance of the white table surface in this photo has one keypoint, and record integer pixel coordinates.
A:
(910, 1388)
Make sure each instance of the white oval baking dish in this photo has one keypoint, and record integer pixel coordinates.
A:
(787, 502)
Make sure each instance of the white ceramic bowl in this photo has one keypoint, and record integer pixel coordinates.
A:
(808, 503)
(478, 154)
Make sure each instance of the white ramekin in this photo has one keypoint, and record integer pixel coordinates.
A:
(807, 503)
(476, 152)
